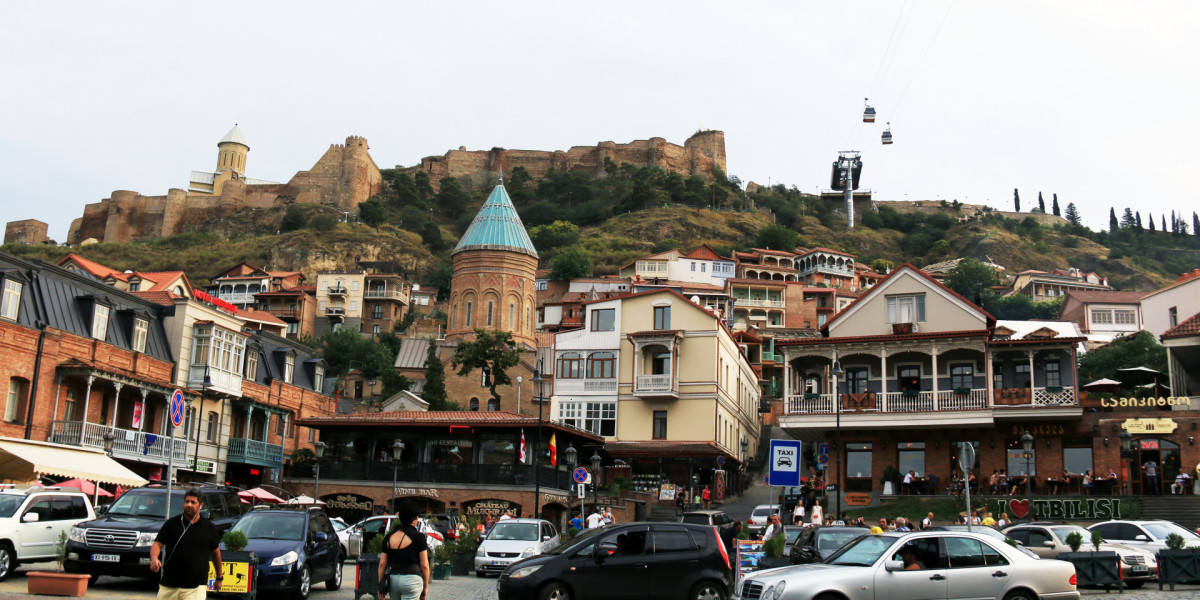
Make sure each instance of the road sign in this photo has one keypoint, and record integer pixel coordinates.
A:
(822, 458)
(177, 408)
(785, 462)
(966, 457)
(823, 448)
(580, 475)
(720, 461)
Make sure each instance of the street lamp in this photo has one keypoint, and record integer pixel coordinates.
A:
(1126, 449)
(397, 452)
(109, 438)
(596, 480)
(572, 456)
(203, 392)
(836, 372)
(537, 447)
(1027, 444)
(319, 451)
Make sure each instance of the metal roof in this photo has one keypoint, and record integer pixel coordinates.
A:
(235, 136)
(497, 226)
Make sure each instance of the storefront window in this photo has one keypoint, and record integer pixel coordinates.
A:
(498, 450)
(1077, 455)
(451, 452)
(911, 457)
(858, 467)
(1015, 459)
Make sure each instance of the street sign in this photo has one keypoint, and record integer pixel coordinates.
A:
(785, 462)
(720, 461)
(966, 457)
(823, 448)
(831, 487)
(177, 408)
(822, 458)
(580, 475)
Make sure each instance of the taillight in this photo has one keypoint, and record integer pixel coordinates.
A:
(721, 545)
(1072, 580)
(357, 577)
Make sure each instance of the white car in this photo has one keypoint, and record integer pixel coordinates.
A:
(918, 566)
(758, 516)
(1150, 536)
(31, 520)
(359, 535)
(511, 540)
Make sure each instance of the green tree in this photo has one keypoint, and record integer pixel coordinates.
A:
(1195, 224)
(881, 265)
(492, 350)
(451, 198)
(1073, 216)
(1041, 204)
(1137, 219)
(434, 391)
(1055, 206)
(554, 235)
(776, 237)
(323, 222)
(518, 185)
(971, 278)
(431, 234)
(1150, 218)
(1016, 200)
(1113, 224)
(293, 219)
(404, 189)
(571, 263)
(372, 212)
(1128, 221)
(1137, 350)
(423, 186)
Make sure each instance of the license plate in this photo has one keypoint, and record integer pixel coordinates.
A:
(106, 557)
(1140, 569)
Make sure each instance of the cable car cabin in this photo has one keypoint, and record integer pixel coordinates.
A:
(887, 135)
(869, 113)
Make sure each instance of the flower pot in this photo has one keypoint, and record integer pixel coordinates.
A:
(441, 571)
(463, 564)
(366, 578)
(57, 584)
(1178, 566)
(1095, 568)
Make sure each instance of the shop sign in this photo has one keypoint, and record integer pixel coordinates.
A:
(1145, 402)
(427, 492)
(666, 492)
(1040, 429)
(553, 498)
(1160, 425)
(858, 499)
(205, 466)
(494, 508)
(350, 502)
(235, 577)
(1085, 509)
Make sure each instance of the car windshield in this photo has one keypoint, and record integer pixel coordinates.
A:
(696, 519)
(862, 552)
(577, 541)
(762, 511)
(1160, 531)
(792, 533)
(526, 532)
(146, 504)
(9, 503)
(339, 526)
(268, 526)
(832, 540)
(1066, 530)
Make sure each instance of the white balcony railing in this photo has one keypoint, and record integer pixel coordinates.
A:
(757, 303)
(807, 404)
(236, 297)
(579, 386)
(386, 295)
(223, 381)
(1065, 396)
(136, 445)
(654, 383)
(908, 402)
(972, 400)
(241, 449)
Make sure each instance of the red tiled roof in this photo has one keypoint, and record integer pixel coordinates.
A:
(1188, 328)
(704, 252)
(988, 316)
(92, 267)
(827, 251)
(160, 278)
(260, 316)
(666, 448)
(158, 297)
(442, 418)
(1106, 297)
(769, 251)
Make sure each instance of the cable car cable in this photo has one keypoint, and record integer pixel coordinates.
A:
(896, 108)
(889, 51)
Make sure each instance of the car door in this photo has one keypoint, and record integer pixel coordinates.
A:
(550, 539)
(367, 531)
(1042, 543)
(972, 572)
(804, 550)
(318, 550)
(618, 563)
(38, 537)
(673, 562)
(928, 582)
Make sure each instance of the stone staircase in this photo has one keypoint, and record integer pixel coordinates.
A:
(1184, 510)
(663, 514)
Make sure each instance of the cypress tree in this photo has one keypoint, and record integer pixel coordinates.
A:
(1163, 220)
(1137, 216)
(1174, 223)
(1055, 206)
(1016, 201)
(1195, 224)
(1150, 218)
(1041, 203)
(434, 391)
(1112, 218)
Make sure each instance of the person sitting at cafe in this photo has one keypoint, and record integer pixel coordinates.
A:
(1015, 483)
(1181, 481)
(909, 488)
(1088, 487)
(931, 482)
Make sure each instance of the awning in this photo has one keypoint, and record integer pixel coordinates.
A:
(22, 461)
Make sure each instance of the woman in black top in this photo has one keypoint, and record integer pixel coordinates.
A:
(406, 552)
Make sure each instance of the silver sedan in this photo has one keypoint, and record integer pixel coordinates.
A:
(918, 566)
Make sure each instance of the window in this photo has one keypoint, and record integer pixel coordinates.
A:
(14, 400)
(489, 314)
(964, 553)
(140, 328)
(693, 266)
(375, 329)
(312, 434)
(252, 365)
(604, 319)
(1015, 459)
(354, 305)
(354, 286)
(660, 424)
(597, 417)
(318, 378)
(289, 367)
(662, 317)
(856, 380)
(278, 424)
(911, 457)
(72, 402)
(493, 405)
(200, 345)
(1053, 374)
(669, 540)
(189, 420)
(512, 315)
(100, 321)
(1021, 371)
(703, 266)
(906, 309)
(474, 404)
(821, 320)
(1124, 317)
(812, 385)
(212, 427)
(858, 467)
(1173, 316)
(11, 299)
(962, 376)
(998, 376)
(909, 377)
(570, 366)
(601, 365)
(470, 307)
(377, 313)
(1102, 317)
(1077, 455)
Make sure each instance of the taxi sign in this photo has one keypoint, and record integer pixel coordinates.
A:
(236, 577)
(177, 408)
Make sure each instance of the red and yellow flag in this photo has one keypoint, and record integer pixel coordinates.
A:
(553, 451)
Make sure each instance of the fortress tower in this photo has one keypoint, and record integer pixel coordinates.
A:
(495, 267)
(231, 165)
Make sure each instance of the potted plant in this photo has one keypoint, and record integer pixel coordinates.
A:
(443, 556)
(1096, 567)
(58, 583)
(1177, 564)
(891, 478)
(773, 549)
(367, 582)
(463, 561)
(234, 543)
(618, 485)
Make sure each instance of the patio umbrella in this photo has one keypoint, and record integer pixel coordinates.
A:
(86, 487)
(304, 499)
(1140, 376)
(260, 495)
(1102, 383)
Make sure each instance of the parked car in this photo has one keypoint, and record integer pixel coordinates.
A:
(342, 529)
(1048, 541)
(629, 560)
(790, 533)
(361, 533)
(295, 546)
(118, 543)
(988, 531)
(815, 544)
(445, 524)
(716, 518)
(1150, 536)
(31, 520)
(758, 517)
(511, 540)
(918, 565)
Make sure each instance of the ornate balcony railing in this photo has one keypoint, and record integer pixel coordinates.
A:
(137, 445)
(241, 449)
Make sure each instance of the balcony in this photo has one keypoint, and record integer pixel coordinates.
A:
(385, 294)
(336, 313)
(129, 444)
(585, 386)
(236, 297)
(486, 474)
(339, 291)
(759, 303)
(287, 314)
(925, 401)
(655, 386)
(255, 452)
(225, 382)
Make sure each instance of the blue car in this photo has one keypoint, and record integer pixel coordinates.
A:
(295, 547)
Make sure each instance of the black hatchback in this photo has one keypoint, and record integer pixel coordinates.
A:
(665, 561)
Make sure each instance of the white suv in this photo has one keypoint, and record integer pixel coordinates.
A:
(32, 520)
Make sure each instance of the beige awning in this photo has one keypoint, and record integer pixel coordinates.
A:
(23, 461)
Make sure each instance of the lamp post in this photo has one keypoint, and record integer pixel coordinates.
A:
(109, 438)
(537, 446)
(572, 456)
(319, 451)
(596, 480)
(519, 381)
(836, 372)
(397, 452)
(1126, 449)
(199, 417)
(1027, 444)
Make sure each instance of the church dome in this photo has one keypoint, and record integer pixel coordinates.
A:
(497, 226)
(234, 136)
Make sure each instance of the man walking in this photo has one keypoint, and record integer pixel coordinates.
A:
(1153, 487)
(190, 542)
(927, 522)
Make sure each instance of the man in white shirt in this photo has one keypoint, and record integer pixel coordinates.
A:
(927, 522)
(595, 520)
(908, 483)
(774, 527)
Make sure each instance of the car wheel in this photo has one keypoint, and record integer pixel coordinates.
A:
(305, 585)
(707, 590)
(6, 560)
(555, 591)
(1021, 595)
(335, 582)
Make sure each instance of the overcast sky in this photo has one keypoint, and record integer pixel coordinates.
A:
(1095, 101)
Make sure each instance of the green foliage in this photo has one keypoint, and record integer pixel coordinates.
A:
(554, 235)
(423, 186)
(445, 552)
(451, 199)
(1097, 539)
(743, 534)
(60, 550)
(372, 212)
(619, 484)
(323, 222)
(491, 349)
(234, 541)
(293, 219)
(571, 263)
(434, 391)
(971, 278)
(303, 456)
(431, 235)
(880, 265)
(890, 473)
(1138, 350)
(1175, 542)
(346, 347)
(1075, 540)
(774, 546)
(471, 537)
(1020, 307)
(776, 237)
(375, 546)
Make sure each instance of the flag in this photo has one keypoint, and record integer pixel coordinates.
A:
(553, 451)
(522, 446)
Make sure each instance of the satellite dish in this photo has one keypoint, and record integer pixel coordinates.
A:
(695, 299)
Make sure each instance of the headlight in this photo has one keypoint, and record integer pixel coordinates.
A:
(524, 572)
(285, 559)
(480, 552)
(77, 535)
(145, 539)
(779, 589)
(527, 553)
(769, 593)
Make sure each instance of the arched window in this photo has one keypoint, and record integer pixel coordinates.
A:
(493, 405)
(475, 404)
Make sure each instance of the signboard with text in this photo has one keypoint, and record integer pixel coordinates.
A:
(235, 577)
(785, 462)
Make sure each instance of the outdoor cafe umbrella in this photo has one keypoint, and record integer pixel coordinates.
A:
(1102, 385)
(260, 495)
(1139, 376)
(304, 499)
(86, 487)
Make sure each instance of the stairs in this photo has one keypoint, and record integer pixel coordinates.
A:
(1184, 510)
(663, 514)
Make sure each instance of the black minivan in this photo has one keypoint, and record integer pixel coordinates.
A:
(631, 560)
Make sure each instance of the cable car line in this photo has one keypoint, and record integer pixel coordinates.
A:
(896, 108)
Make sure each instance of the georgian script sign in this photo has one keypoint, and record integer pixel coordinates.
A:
(1145, 402)
(1086, 509)
(350, 502)
(1161, 425)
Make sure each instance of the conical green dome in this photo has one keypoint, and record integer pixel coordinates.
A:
(497, 226)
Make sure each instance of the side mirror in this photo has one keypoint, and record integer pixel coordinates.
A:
(102, 509)
(320, 537)
(1142, 538)
(205, 514)
(603, 553)
(545, 538)
(1049, 544)
(893, 565)
(30, 517)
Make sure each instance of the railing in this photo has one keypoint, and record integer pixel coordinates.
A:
(759, 302)
(236, 297)
(1065, 396)
(490, 474)
(337, 291)
(908, 402)
(284, 313)
(335, 311)
(952, 400)
(387, 295)
(244, 449)
(827, 269)
(575, 386)
(223, 381)
(137, 445)
(809, 404)
(654, 383)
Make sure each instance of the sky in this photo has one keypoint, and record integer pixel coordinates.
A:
(1092, 100)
